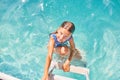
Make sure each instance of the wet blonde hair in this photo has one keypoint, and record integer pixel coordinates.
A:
(68, 25)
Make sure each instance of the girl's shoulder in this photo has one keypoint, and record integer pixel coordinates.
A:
(69, 38)
(52, 35)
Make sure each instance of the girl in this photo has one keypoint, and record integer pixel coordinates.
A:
(57, 44)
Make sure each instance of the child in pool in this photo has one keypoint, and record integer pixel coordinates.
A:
(57, 44)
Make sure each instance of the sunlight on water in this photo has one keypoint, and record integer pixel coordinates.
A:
(24, 33)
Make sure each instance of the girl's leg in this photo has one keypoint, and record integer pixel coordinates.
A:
(65, 50)
(62, 50)
(77, 54)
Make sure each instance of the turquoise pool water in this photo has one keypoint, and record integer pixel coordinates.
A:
(26, 24)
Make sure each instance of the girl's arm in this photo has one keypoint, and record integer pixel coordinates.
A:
(72, 48)
(48, 58)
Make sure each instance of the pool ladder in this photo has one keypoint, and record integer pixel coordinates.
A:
(74, 69)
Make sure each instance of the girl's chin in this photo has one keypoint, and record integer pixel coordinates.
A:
(60, 41)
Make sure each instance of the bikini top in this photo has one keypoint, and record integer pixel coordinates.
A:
(57, 43)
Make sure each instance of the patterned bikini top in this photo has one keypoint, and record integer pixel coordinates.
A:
(57, 43)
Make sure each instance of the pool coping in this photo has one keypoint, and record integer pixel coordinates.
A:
(4, 76)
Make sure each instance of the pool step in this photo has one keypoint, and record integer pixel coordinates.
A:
(58, 77)
(74, 69)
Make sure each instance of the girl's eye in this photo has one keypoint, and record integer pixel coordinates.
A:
(63, 34)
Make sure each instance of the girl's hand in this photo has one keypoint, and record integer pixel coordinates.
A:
(66, 66)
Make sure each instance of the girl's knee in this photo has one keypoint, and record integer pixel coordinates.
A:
(64, 50)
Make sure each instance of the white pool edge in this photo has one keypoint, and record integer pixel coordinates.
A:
(4, 76)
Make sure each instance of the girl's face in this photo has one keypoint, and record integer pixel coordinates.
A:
(63, 34)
